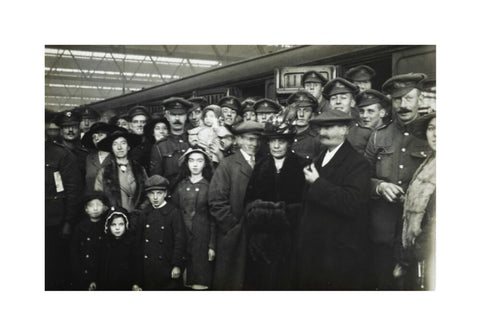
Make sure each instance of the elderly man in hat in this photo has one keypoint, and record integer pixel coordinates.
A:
(332, 235)
(305, 143)
(89, 118)
(313, 82)
(394, 155)
(69, 123)
(226, 198)
(165, 154)
(63, 187)
(361, 76)
(373, 109)
(230, 108)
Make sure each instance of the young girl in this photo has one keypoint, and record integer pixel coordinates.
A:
(191, 196)
(117, 269)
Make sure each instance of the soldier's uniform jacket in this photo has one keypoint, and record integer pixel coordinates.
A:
(62, 184)
(306, 144)
(394, 154)
(80, 154)
(323, 106)
(358, 137)
(164, 157)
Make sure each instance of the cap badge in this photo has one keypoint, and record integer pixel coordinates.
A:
(339, 85)
(265, 104)
(69, 114)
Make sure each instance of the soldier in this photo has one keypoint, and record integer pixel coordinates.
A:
(314, 82)
(247, 111)
(266, 109)
(394, 155)
(69, 123)
(165, 154)
(89, 118)
(230, 108)
(138, 117)
(361, 76)
(195, 112)
(305, 143)
(62, 192)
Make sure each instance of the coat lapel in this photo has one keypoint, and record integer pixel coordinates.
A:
(243, 165)
(336, 160)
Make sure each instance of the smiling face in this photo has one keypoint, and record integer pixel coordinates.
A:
(195, 117)
(371, 115)
(406, 106)
(160, 131)
(229, 115)
(343, 102)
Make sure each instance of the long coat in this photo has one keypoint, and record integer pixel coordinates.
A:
(226, 200)
(92, 166)
(270, 245)
(192, 200)
(332, 236)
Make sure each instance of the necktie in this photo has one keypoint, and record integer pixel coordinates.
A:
(252, 161)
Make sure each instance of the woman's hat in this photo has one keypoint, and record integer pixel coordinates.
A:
(419, 126)
(148, 128)
(116, 211)
(191, 150)
(132, 139)
(283, 130)
(99, 127)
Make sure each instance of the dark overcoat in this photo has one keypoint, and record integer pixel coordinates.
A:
(226, 201)
(92, 166)
(192, 200)
(270, 247)
(332, 236)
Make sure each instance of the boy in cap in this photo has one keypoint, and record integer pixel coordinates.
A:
(161, 234)
(86, 241)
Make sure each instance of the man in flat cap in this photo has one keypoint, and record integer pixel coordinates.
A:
(69, 123)
(226, 200)
(138, 116)
(305, 143)
(313, 82)
(165, 154)
(89, 118)
(63, 187)
(230, 108)
(332, 234)
(361, 76)
(394, 155)
(373, 108)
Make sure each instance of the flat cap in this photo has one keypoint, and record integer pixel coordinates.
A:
(68, 118)
(303, 98)
(313, 77)
(176, 105)
(137, 110)
(231, 102)
(370, 97)
(400, 85)
(331, 117)
(360, 73)
(339, 86)
(267, 106)
(249, 126)
(156, 182)
(88, 113)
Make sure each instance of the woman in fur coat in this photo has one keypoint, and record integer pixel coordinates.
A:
(273, 199)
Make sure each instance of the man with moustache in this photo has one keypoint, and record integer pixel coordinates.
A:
(165, 154)
(226, 201)
(313, 82)
(332, 234)
(138, 116)
(69, 123)
(230, 109)
(394, 155)
(361, 76)
(305, 142)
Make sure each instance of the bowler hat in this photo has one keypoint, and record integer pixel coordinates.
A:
(132, 139)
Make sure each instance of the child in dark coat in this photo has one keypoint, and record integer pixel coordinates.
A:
(191, 197)
(117, 270)
(86, 242)
(161, 234)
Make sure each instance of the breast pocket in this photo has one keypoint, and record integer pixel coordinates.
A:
(384, 163)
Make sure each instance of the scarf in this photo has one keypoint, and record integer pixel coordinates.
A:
(416, 200)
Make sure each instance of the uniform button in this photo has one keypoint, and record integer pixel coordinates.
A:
(86, 271)
(147, 226)
(183, 150)
(47, 164)
(400, 166)
(88, 238)
(87, 256)
(197, 189)
(403, 149)
(160, 257)
(379, 158)
(181, 141)
(146, 240)
(162, 227)
(293, 151)
(308, 157)
(188, 188)
(399, 182)
(406, 133)
(145, 256)
(295, 140)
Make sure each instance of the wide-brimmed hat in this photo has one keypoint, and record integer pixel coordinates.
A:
(283, 130)
(99, 127)
(419, 126)
(192, 150)
(330, 118)
(132, 139)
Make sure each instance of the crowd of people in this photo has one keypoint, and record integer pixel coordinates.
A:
(333, 191)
